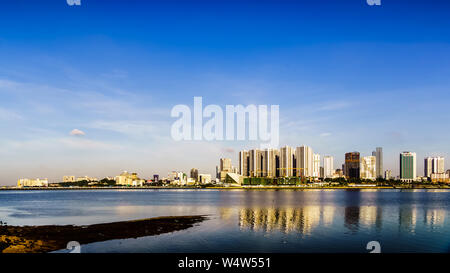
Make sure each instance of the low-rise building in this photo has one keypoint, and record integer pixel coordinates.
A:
(204, 178)
(68, 178)
(388, 174)
(129, 179)
(439, 177)
(86, 178)
(177, 178)
(25, 182)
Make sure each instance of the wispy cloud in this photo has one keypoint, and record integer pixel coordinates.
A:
(77, 132)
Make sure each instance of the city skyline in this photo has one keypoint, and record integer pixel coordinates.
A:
(300, 161)
(93, 97)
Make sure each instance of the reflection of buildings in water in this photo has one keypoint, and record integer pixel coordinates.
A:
(434, 217)
(370, 215)
(407, 218)
(225, 213)
(367, 216)
(352, 218)
(328, 215)
(302, 220)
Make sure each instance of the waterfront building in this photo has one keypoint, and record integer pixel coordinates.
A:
(439, 177)
(316, 166)
(368, 168)
(304, 157)
(408, 172)
(328, 167)
(190, 181)
(86, 178)
(388, 174)
(434, 165)
(338, 173)
(177, 178)
(68, 178)
(286, 162)
(225, 164)
(204, 178)
(225, 167)
(194, 174)
(156, 178)
(244, 163)
(25, 182)
(378, 153)
(274, 163)
(352, 165)
(129, 179)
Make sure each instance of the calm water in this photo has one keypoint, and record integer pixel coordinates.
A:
(250, 221)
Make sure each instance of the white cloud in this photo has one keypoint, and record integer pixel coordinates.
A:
(325, 134)
(76, 132)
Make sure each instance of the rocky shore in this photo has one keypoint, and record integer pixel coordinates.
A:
(39, 239)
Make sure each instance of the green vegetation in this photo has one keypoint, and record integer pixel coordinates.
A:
(340, 182)
(84, 183)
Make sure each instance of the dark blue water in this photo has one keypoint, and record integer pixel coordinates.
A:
(250, 221)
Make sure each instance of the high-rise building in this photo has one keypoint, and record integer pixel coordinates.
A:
(378, 153)
(244, 163)
(408, 171)
(387, 174)
(316, 165)
(304, 157)
(352, 165)
(194, 174)
(225, 167)
(328, 167)
(274, 164)
(433, 165)
(368, 168)
(225, 164)
(286, 162)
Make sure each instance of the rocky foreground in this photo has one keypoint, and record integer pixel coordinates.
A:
(39, 239)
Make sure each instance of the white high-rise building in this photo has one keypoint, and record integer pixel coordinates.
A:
(316, 165)
(368, 168)
(328, 168)
(244, 163)
(434, 165)
(305, 157)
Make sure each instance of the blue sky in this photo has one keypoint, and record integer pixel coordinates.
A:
(347, 76)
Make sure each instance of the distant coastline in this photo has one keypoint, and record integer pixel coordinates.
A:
(446, 187)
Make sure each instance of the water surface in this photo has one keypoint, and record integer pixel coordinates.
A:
(250, 220)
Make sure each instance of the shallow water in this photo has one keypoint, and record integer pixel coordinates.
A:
(250, 220)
